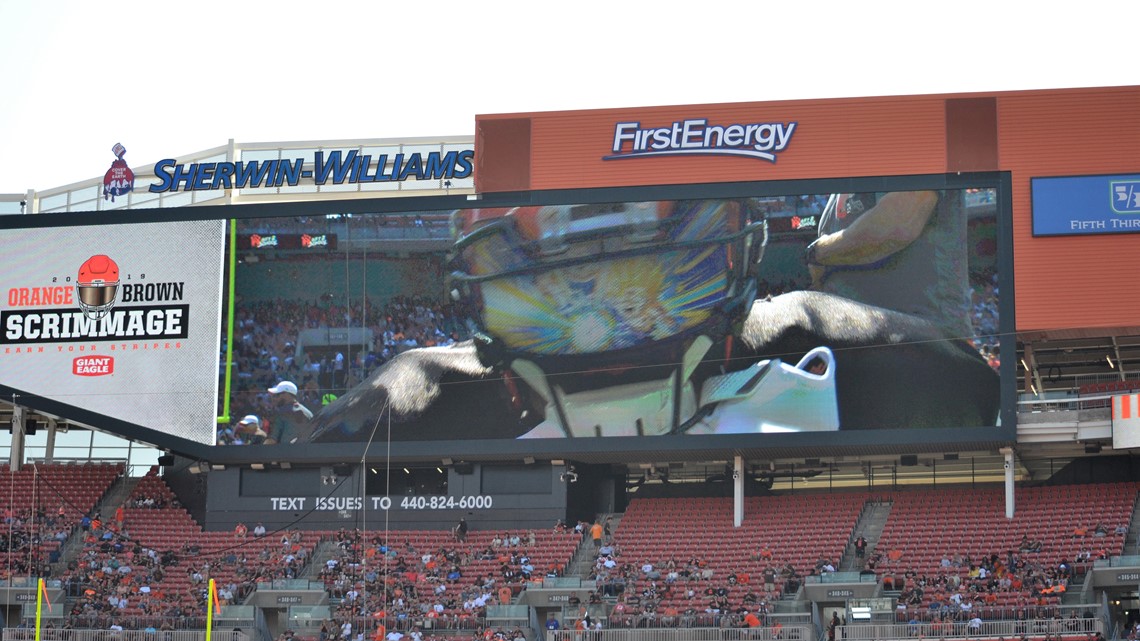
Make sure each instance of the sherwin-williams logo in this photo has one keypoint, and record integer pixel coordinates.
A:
(93, 366)
(337, 166)
(696, 137)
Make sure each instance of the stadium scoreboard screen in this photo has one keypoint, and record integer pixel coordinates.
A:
(761, 316)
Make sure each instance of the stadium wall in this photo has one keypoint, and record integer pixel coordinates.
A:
(1061, 282)
(329, 498)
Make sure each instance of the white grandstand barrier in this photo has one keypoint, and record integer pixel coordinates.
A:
(1063, 403)
(1064, 419)
(964, 630)
(56, 634)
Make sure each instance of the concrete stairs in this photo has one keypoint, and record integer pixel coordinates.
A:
(582, 563)
(120, 491)
(325, 550)
(870, 526)
(1132, 539)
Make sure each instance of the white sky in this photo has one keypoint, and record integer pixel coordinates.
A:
(167, 78)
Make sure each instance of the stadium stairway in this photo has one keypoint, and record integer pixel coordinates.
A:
(326, 550)
(870, 525)
(1132, 540)
(116, 495)
(68, 552)
(582, 563)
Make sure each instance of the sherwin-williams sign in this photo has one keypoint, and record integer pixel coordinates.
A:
(1086, 205)
(336, 167)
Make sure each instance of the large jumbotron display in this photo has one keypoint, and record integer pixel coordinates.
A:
(775, 317)
(746, 315)
(111, 319)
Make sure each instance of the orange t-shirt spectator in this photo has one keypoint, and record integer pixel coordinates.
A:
(596, 534)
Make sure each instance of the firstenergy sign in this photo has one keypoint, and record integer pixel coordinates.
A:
(697, 137)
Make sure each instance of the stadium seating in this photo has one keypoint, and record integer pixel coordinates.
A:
(923, 527)
(799, 531)
(1111, 387)
(41, 501)
(422, 586)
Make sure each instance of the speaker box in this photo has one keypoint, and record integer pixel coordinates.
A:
(464, 468)
(166, 460)
(908, 460)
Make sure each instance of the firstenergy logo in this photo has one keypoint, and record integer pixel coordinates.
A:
(696, 137)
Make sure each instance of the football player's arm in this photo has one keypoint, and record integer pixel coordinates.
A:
(895, 222)
(306, 412)
(407, 385)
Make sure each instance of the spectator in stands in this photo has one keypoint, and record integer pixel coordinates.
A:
(291, 416)
(596, 532)
(249, 431)
(1029, 545)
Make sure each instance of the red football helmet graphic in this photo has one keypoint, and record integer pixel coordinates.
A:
(97, 286)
